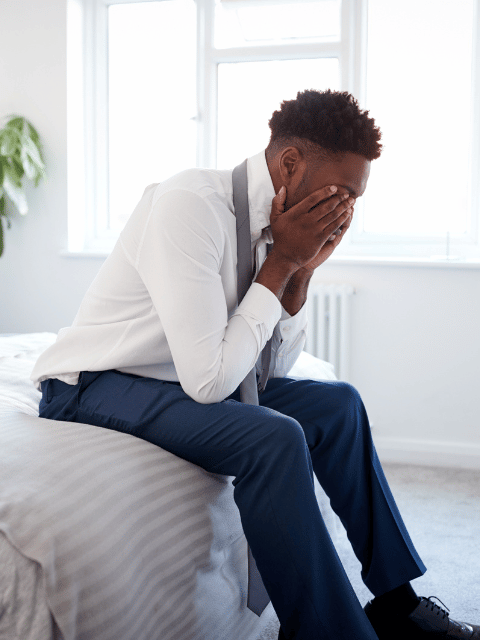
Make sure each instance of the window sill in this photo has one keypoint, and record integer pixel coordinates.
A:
(84, 254)
(404, 261)
(381, 261)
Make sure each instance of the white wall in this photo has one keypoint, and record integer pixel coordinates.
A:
(416, 349)
(416, 359)
(39, 290)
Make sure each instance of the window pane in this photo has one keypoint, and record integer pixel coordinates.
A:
(419, 92)
(248, 94)
(152, 87)
(243, 22)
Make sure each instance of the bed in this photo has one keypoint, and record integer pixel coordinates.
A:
(106, 537)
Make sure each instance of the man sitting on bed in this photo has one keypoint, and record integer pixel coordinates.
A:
(159, 348)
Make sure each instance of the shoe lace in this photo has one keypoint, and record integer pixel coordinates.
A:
(436, 606)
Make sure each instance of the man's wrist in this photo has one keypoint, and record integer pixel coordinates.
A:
(282, 262)
(275, 274)
(304, 274)
(295, 293)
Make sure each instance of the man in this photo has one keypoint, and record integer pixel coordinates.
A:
(160, 346)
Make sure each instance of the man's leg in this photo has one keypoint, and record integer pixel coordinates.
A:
(344, 459)
(346, 464)
(267, 453)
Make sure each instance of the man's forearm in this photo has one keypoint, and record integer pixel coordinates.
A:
(286, 281)
(295, 293)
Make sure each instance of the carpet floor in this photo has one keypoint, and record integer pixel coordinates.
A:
(441, 510)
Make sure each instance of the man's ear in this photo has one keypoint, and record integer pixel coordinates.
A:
(291, 165)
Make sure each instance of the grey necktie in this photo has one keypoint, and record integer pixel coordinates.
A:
(258, 597)
(249, 388)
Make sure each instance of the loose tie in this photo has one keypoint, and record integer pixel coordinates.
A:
(258, 597)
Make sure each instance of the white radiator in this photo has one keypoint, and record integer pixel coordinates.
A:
(328, 332)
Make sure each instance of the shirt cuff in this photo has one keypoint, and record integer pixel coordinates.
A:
(291, 325)
(261, 305)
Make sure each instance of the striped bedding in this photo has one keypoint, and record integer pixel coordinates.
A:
(106, 537)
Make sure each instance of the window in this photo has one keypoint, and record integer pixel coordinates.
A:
(168, 85)
(140, 108)
(151, 98)
(171, 84)
(267, 52)
(422, 196)
(270, 82)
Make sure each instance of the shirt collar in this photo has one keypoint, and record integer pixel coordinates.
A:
(260, 194)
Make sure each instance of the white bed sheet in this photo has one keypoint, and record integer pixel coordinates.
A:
(130, 541)
(24, 609)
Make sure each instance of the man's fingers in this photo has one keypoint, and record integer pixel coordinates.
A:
(339, 210)
(333, 208)
(279, 200)
(325, 195)
(343, 229)
(316, 197)
(348, 221)
(340, 223)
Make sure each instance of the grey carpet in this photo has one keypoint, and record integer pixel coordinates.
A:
(441, 509)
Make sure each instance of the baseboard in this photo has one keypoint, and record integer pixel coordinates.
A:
(432, 453)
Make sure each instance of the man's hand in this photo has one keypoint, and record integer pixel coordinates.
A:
(301, 242)
(309, 232)
(330, 246)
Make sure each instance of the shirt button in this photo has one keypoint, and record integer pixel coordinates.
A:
(286, 328)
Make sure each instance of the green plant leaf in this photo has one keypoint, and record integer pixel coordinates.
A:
(32, 161)
(27, 164)
(14, 192)
(34, 135)
(11, 169)
(20, 155)
(25, 129)
(17, 168)
(32, 150)
(9, 142)
(15, 122)
(18, 128)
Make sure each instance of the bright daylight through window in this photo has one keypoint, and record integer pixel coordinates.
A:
(151, 98)
(419, 89)
(243, 123)
(195, 82)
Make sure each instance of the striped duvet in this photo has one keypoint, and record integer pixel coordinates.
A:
(114, 537)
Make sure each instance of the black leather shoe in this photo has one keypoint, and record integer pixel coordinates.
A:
(427, 620)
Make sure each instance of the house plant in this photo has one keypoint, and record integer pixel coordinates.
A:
(21, 158)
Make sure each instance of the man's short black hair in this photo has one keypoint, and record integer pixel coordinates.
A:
(327, 123)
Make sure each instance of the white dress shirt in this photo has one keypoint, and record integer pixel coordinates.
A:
(164, 303)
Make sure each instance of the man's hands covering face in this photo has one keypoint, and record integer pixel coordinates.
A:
(308, 233)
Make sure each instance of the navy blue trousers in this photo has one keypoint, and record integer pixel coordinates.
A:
(301, 427)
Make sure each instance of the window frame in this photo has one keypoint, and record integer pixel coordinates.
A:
(348, 50)
(88, 188)
(360, 243)
(88, 113)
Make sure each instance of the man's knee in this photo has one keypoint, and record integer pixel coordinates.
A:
(340, 405)
(348, 393)
(349, 407)
(282, 433)
(337, 393)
